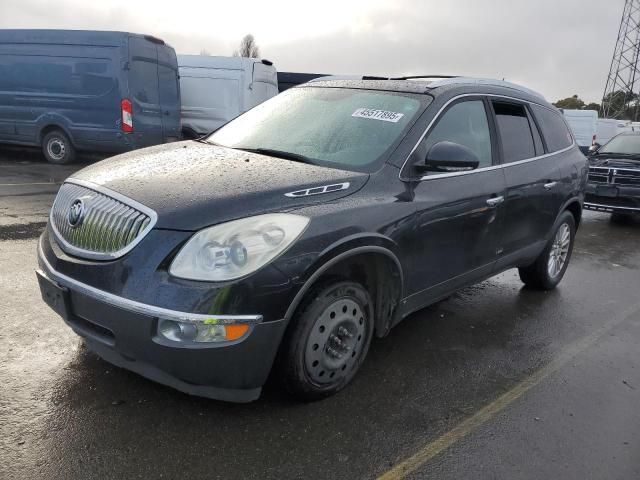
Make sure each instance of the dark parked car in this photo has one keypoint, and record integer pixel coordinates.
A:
(68, 90)
(614, 176)
(306, 226)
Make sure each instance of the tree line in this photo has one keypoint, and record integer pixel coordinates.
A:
(618, 104)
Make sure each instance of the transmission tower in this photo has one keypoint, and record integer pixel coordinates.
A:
(620, 99)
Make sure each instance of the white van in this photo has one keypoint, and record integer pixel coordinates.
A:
(607, 129)
(584, 124)
(215, 90)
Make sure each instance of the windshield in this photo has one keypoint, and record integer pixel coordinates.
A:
(335, 127)
(623, 144)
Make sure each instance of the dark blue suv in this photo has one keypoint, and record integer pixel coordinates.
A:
(68, 90)
(301, 229)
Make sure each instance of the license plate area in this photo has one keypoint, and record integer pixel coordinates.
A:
(54, 295)
(607, 191)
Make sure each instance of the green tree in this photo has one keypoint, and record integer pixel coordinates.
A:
(592, 106)
(570, 103)
(621, 105)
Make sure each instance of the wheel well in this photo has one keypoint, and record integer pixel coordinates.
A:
(382, 278)
(576, 211)
(52, 128)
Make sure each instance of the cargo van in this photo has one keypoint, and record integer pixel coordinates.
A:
(584, 125)
(71, 90)
(217, 89)
(607, 128)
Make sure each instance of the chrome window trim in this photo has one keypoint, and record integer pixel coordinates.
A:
(483, 169)
(88, 254)
(131, 305)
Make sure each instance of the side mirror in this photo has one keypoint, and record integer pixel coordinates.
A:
(447, 157)
(594, 148)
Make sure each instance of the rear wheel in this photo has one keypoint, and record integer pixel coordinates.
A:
(57, 148)
(549, 268)
(328, 341)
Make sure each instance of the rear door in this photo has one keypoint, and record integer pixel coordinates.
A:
(144, 93)
(531, 178)
(169, 93)
(264, 84)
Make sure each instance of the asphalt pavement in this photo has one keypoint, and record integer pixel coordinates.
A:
(497, 381)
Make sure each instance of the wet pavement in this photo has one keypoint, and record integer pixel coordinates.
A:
(495, 382)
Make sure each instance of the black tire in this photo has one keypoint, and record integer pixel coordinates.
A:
(538, 274)
(57, 148)
(302, 340)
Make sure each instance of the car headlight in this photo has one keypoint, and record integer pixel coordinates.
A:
(237, 248)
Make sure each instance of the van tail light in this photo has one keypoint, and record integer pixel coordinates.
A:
(593, 140)
(127, 115)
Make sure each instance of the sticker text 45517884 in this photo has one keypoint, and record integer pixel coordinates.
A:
(374, 114)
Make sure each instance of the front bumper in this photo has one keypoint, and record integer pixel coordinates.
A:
(621, 199)
(123, 332)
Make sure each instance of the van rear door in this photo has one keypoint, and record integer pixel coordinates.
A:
(169, 93)
(210, 97)
(144, 93)
(265, 84)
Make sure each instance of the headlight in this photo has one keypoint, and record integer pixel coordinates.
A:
(237, 248)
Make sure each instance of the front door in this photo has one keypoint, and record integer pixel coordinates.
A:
(458, 216)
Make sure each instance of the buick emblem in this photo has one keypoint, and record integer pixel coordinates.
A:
(76, 213)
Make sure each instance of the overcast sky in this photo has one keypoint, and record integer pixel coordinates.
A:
(558, 47)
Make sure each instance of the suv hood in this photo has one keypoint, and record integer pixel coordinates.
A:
(613, 162)
(192, 185)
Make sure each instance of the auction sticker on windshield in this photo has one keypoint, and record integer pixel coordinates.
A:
(383, 115)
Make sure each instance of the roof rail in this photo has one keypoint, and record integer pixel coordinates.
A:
(485, 81)
(412, 77)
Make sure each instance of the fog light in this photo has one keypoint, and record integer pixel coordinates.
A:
(178, 331)
(201, 332)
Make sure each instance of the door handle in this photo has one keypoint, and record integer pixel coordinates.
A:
(550, 185)
(495, 201)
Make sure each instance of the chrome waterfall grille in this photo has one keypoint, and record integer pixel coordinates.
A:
(93, 222)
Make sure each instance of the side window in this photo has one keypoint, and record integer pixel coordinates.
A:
(464, 123)
(553, 127)
(144, 81)
(515, 131)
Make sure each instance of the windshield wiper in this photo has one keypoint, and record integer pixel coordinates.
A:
(296, 157)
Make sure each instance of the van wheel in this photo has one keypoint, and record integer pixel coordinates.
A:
(57, 148)
(549, 268)
(328, 341)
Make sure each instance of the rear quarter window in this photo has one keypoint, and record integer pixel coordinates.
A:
(554, 129)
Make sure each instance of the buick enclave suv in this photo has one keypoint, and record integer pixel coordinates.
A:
(292, 235)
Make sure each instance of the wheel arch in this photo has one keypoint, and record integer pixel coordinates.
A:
(368, 259)
(574, 206)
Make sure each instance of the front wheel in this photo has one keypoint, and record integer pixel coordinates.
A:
(328, 340)
(549, 268)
